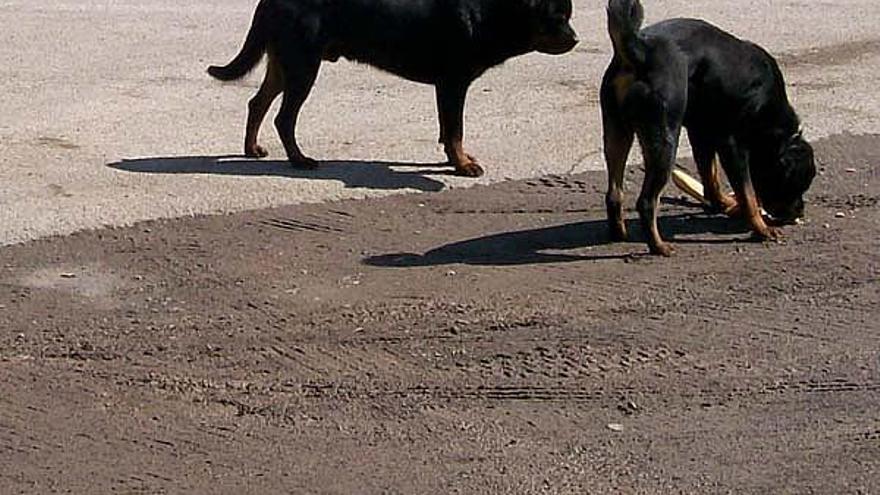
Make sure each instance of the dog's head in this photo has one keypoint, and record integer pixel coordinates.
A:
(549, 26)
(783, 175)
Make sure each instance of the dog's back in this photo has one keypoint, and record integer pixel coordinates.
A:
(726, 76)
(719, 62)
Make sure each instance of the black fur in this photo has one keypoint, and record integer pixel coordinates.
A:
(730, 96)
(446, 43)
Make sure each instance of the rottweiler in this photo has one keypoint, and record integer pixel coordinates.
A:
(730, 96)
(445, 43)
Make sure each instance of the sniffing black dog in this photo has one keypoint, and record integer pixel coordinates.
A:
(446, 43)
(730, 96)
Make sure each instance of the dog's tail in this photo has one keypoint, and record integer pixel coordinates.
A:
(251, 52)
(624, 21)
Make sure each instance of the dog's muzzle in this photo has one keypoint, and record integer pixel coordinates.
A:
(557, 43)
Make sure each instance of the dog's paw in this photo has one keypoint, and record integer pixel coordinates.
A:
(256, 151)
(662, 249)
(726, 205)
(617, 232)
(304, 163)
(767, 234)
(732, 209)
(469, 169)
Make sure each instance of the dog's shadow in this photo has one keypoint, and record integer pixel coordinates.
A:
(352, 173)
(542, 245)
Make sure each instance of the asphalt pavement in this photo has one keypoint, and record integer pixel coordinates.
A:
(108, 117)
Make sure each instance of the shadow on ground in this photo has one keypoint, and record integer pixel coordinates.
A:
(537, 245)
(352, 173)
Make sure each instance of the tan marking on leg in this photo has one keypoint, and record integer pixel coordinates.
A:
(713, 191)
(616, 150)
(751, 210)
(464, 163)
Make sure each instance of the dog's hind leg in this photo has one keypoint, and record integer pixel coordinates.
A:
(657, 112)
(618, 140)
(659, 145)
(273, 84)
(299, 69)
(735, 161)
(450, 108)
(707, 166)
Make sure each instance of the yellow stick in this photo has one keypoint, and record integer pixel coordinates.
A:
(690, 186)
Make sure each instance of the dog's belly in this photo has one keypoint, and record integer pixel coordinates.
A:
(428, 67)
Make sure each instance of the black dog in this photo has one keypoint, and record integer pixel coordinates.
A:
(730, 96)
(447, 43)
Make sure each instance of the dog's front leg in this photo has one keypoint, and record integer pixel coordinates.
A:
(299, 69)
(450, 109)
(707, 166)
(735, 161)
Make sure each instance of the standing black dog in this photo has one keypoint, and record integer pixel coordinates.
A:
(730, 96)
(447, 43)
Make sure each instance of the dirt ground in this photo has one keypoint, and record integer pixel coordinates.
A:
(486, 340)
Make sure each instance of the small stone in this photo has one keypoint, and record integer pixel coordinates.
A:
(67, 275)
(450, 273)
(615, 427)
(851, 170)
(840, 214)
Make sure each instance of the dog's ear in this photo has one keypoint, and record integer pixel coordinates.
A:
(798, 163)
